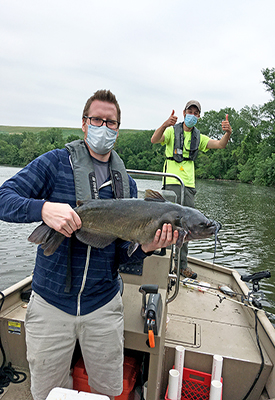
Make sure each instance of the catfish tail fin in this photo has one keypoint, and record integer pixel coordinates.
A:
(47, 237)
(41, 234)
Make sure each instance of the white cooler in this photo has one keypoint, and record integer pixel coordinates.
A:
(68, 394)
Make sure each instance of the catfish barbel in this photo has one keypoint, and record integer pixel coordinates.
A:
(133, 220)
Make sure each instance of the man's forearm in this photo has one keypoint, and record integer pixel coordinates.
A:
(225, 139)
(158, 135)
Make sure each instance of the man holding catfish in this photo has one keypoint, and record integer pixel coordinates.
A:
(75, 290)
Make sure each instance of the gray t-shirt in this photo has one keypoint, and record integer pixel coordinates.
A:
(102, 172)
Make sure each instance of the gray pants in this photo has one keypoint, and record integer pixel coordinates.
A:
(51, 335)
(189, 201)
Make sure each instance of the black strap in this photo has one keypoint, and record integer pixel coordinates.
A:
(183, 159)
(165, 169)
(69, 268)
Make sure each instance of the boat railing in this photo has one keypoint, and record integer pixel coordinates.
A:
(160, 174)
(173, 278)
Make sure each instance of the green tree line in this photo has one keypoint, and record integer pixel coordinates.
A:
(249, 156)
(19, 149)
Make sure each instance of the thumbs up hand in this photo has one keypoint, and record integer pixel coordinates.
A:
(171, 120)
(226, 125)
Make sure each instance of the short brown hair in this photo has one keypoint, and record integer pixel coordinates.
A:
(102, 95)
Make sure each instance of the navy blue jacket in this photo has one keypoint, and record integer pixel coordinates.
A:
(50, 178)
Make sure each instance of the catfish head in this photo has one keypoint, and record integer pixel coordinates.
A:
(189, 222)
(196, 225)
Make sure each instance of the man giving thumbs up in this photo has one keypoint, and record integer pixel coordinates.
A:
(183, 141)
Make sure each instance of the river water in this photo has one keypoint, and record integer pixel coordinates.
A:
(246, 212)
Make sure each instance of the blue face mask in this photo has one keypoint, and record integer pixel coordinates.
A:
(101, 139)
(190, 120)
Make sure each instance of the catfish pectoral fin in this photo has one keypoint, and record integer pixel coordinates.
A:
(132, 248)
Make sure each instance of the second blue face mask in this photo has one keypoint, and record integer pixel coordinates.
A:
(190, 120)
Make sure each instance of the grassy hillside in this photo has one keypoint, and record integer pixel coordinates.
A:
(19, 129)
(66, 131)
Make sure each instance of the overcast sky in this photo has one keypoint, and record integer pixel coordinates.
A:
(154, 55)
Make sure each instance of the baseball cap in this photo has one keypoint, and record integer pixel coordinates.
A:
(193, 103)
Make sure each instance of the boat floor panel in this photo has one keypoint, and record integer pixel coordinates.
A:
(218, 325)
